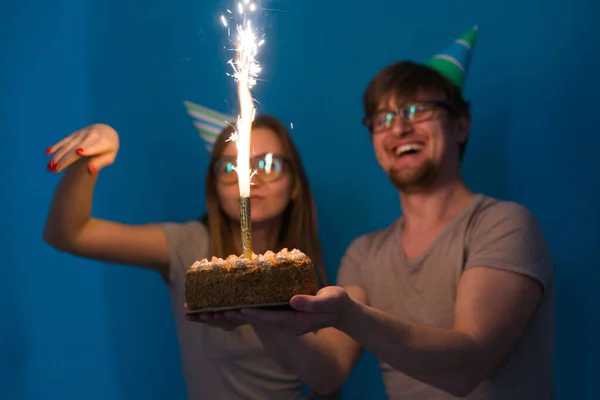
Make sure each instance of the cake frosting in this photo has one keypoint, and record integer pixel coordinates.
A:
(265, 259)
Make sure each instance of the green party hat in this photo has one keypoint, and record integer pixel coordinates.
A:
(454, 61)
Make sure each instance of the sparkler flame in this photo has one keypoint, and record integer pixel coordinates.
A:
(245, 71)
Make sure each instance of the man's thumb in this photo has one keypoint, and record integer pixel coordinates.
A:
(303, 302)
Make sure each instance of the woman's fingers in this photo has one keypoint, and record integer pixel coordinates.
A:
(216, 320)
(94, 146)
(65, 155)
(57, 146)
(62, 152)
(99, 151)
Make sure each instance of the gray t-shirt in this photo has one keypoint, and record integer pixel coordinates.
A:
(218, 364)
(488, 233)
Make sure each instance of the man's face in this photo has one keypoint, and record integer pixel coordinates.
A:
(418, 146)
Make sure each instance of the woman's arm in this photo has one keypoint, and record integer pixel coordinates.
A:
(70, 227)
(322, 359)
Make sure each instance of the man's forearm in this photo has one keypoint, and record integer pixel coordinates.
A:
(440, 357)
(309, 356)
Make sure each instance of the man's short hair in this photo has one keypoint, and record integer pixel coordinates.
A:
(407, 81)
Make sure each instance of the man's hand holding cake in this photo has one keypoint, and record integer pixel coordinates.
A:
(328, 308)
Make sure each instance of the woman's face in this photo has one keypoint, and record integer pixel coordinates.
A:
(272, 186)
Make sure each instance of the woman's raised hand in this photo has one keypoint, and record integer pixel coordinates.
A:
(98, 142)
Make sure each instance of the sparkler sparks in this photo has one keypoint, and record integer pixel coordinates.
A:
(245, 71)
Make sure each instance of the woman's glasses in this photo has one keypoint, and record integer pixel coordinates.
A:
(269, 167)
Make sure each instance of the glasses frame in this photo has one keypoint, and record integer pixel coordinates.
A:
(284, 160)
(403, 112)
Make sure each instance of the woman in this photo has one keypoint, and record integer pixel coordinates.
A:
(226, 360)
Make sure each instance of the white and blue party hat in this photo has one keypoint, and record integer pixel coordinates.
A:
(209, 123)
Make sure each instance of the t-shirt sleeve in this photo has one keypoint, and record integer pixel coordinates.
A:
(507, 236)
(182, 240)
(350, 271)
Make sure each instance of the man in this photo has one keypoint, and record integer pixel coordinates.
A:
(456, 297)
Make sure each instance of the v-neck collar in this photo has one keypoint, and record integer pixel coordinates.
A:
(417, 260)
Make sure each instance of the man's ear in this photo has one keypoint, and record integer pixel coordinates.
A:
(463, 128)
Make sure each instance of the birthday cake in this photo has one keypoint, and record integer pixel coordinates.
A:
(266, 279)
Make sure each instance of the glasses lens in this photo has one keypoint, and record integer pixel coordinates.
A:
(418, 112)
(382, 120)
(225, 171)
(268, 167)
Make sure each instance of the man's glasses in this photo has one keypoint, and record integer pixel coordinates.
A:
(412, 113)
(269, 167)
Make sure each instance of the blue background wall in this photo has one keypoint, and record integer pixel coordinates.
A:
(72, 328)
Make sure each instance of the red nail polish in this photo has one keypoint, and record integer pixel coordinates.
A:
(92, 169)
(79, 150)
(48, 150)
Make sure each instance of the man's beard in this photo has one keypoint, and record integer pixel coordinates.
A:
(411, 179)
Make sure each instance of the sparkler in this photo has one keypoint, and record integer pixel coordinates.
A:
(245, 70)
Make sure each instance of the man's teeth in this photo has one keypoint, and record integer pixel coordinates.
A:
(408, 149)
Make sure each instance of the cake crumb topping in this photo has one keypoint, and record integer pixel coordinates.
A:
(265, 259)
